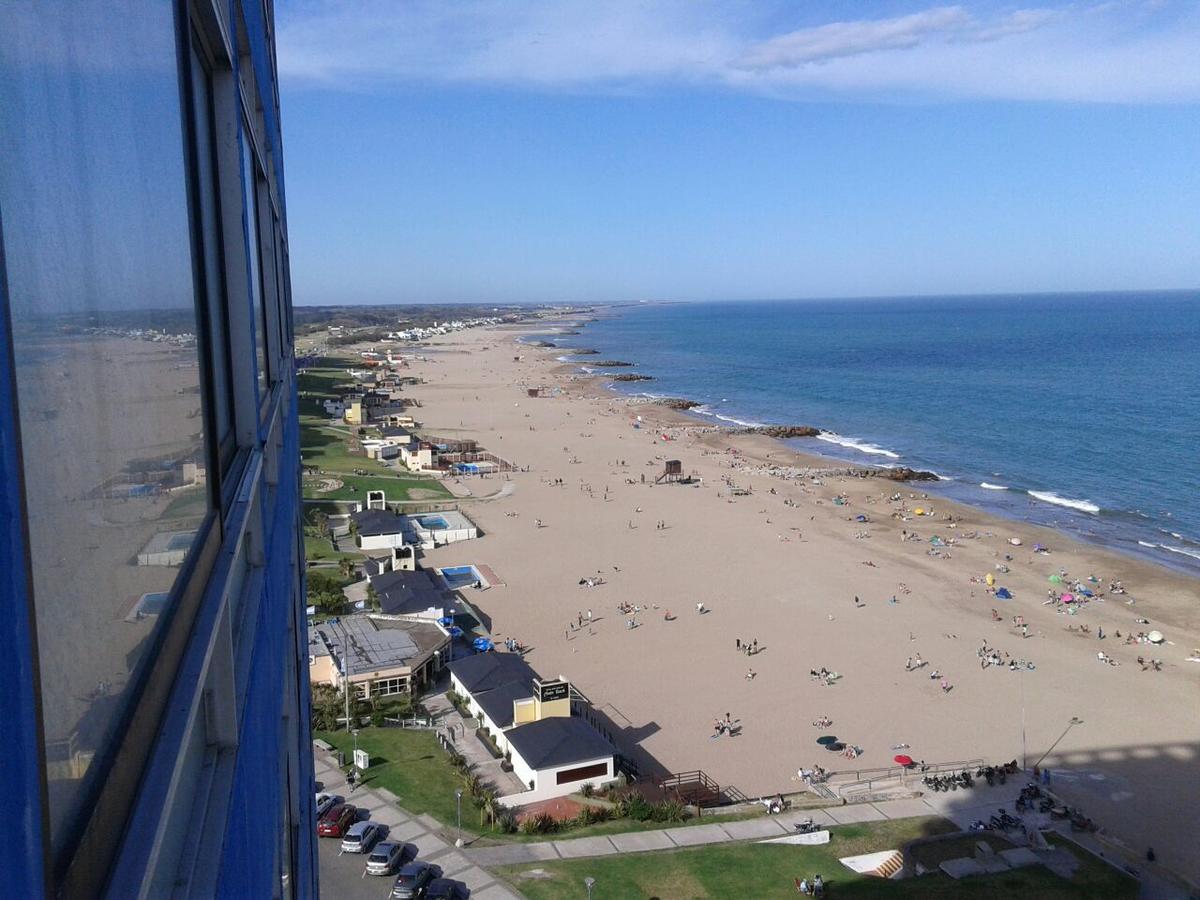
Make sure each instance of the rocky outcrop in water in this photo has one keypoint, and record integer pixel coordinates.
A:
(544, 344)
(780, 431)
(676, 403)
(903, 473)
(630, 376)
(587, 351)
(610, 364)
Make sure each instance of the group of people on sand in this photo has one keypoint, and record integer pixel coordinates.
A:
(750, 648)
(725, 726)
(916, 662)
(823, 676)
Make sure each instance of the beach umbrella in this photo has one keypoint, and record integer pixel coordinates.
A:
(903, 760)
(1067, 598)
(1087, 592)
(455, 631)
(1016, 542)
(446, 620)
(919, 511)
(836, 747)
(1155, 637)
(990, 579)
(827, 739)
(1004, 594)
(1055, 579)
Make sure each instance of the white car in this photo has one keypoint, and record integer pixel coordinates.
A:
(325, 801)
(361, 837)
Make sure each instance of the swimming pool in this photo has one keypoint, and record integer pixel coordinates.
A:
(433, 522)
(460, 576)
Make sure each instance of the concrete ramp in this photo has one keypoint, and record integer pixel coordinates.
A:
(884, 864)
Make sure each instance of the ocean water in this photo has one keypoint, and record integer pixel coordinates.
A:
(1077, 411)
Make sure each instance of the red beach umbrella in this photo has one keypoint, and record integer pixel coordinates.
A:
(902, 760)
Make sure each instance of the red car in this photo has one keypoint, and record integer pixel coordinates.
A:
(336, 820)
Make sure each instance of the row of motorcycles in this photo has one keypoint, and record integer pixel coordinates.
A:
(952, 781)
(1032, 798)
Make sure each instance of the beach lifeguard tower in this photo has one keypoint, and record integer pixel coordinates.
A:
(672, 472)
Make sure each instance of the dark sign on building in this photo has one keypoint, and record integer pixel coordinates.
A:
(553, 690)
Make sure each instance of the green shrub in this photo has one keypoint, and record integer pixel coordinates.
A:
(668, 811)
(542, 823)
(587, 790)
(507, 822)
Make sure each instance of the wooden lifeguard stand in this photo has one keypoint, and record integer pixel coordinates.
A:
(672, 472)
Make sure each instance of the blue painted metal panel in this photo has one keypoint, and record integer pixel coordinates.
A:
(21, 826)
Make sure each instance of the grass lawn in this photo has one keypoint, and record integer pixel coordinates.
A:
(325, 448)
(770, 870)
(412, 766)
(321, 550)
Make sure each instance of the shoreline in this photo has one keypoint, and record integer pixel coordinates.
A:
(1065, 516)
(783, 559)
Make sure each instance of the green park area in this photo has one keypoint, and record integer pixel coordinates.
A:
(332, 470)
(771, 870)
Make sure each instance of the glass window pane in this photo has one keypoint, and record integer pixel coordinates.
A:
(217, 355)
(98, 253)
(250, 194)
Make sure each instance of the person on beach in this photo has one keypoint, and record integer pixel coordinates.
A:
(751, 674)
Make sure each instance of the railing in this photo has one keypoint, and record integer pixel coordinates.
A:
(695, 785)
(889, 773)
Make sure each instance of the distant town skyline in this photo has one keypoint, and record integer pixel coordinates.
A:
(614, 151)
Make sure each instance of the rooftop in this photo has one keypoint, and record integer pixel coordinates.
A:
(405, 593)
(488, 671)
(373, 522)
(558, 741)
(373, 645)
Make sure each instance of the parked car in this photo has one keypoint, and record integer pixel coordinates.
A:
(446, 889)
(360, 837)
(325, 801)
(388, 856)
(413, 879)
(336, 820)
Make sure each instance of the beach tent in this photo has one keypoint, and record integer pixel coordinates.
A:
(1086, 592)
(990, 579)
(1056, 579)
(1003, 594)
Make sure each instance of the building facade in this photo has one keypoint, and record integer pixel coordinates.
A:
(156, 701)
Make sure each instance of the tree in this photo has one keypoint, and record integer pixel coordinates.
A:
(325, 592)
(373, 598)
(327, 707)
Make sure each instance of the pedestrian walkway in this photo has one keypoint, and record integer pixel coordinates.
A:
(421, 831)
(962, 808)
(462, 733)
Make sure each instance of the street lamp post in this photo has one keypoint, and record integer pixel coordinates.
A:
(1075, 720)
(588, 883)
(1024, 756)
(458, 798)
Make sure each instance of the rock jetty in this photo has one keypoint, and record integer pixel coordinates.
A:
(631, 376)
(610, 364)
(780, 431)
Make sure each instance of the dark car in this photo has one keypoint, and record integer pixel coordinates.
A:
(388, 856)
(413, 879)
(446, 889)
(336, 820)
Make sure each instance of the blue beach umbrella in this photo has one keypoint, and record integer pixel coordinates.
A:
(1003, 594)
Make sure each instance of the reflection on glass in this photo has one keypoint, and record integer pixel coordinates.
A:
(101, 288)
(250, 189)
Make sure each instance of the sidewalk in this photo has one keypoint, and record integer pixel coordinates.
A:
(419, 830)
(449, 719)
(983, 802)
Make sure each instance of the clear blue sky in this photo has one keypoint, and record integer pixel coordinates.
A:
(612, 151)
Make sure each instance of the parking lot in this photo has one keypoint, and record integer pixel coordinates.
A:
(342, 875)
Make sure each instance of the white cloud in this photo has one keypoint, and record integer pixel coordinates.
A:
(1131, 51)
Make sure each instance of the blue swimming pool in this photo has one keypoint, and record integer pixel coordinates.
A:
(460, 576)
(433, 522)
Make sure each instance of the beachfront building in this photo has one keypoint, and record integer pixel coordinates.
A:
(377, 529)
(419, 456)
(376, 657)
(156, 697)
(411, 594)
(552, 751)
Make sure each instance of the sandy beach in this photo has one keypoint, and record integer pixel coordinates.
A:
(775, 560)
